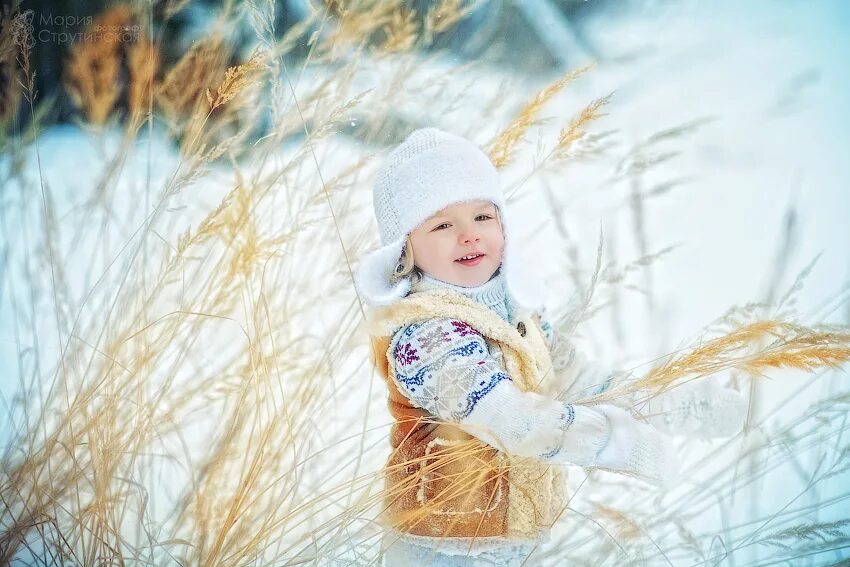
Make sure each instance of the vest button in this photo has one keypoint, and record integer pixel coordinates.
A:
(521, 328)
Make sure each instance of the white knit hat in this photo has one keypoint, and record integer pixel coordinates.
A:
(430, 170)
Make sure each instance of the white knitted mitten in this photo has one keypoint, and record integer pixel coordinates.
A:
(699, 408)
(638, 448)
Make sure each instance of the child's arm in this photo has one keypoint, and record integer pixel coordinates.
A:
(444, 366)
(699, 408)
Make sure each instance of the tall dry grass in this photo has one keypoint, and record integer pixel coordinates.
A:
(185, 380)
(10, 92)
(92, 72)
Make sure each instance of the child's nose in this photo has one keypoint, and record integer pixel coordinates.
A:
(470, 235)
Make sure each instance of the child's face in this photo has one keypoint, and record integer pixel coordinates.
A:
(457, 231)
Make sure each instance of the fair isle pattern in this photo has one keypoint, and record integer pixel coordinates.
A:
(537, 489)
(448, 378)
(443, 382)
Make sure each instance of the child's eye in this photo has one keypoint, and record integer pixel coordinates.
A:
(481, 216)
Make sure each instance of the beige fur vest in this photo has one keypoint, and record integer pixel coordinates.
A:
(441, 481)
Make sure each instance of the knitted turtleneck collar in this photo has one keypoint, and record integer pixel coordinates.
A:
(492, 293)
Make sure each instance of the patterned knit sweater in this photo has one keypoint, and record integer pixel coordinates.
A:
(447, 368)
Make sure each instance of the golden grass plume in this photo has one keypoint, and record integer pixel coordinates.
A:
(92, 71)
(236, 80)
(184, 86)
(790, 345)
(501, 149)
(401, 31)
(114, 58)
(444, 14)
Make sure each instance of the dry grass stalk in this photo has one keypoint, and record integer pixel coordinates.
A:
(644, 155)
(502, 148)
(143, 63)
(611, 275)
(187, 100)
(443, 15)
(183, 89)
(94, 416)
(250, 248)
(359, 22)
(576, 129)
(401, 31)
(336, 7)
(811, 532)
(566, 146)
(356, 26)
(174, 6)
(294, 34)
(10, 38)
(92, 71)
(793, 346)
(95, 73)
(21, 34)
(237, 79)
(624, 526)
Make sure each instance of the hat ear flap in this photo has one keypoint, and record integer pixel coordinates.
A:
(372, 278)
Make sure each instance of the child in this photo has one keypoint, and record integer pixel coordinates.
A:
(479, 383)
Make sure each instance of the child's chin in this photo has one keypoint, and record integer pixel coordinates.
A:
(475, 277)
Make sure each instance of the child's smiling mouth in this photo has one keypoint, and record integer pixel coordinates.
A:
(470, 259)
